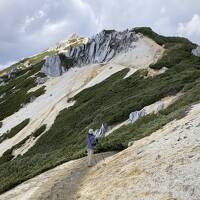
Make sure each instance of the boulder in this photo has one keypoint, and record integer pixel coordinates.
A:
(99, 133)
(196, 52)
(52, 66)
(3, 95)
(2, 83)
(134, 116)
(159, 107)
(40, 80)
(32, 99)
(163, 70)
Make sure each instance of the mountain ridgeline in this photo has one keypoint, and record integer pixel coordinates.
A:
(109, 100)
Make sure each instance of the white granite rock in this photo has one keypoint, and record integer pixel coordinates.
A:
(196, 52)
(52, 66)
(134, 116)
(102, 47)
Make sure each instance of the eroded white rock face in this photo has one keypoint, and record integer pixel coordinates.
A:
(134, 116)
(52, 66)
(196, 52)
(103, 47)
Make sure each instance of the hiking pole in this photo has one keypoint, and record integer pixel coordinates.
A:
(103, 157)
(95, 158)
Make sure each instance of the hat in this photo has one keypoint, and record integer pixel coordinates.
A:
(91, 131)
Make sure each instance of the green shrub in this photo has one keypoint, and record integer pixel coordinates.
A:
(111, 101)
(161, 40)
(7, 156)
(41, 75)
(67, 63)
(16, 92)
(177, 48)
(14, 130)
(39, 131)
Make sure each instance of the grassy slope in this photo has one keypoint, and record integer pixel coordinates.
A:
(32, 61)
(16, 91)
(7, 156)
(110, 101)
(14, 130)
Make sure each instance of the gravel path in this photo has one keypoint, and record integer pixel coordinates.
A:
(59, 183)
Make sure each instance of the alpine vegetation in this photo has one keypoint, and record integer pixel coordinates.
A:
(134, 92)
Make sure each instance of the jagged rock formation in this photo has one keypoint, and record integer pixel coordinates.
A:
(134, 116)
(103, 47)
(101, 131)
(100, 48)
(53, 66)
(196, 52)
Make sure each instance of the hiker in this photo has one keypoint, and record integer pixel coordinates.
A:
(91, 141)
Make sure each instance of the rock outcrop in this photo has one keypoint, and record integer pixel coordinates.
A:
(53, 66)
(40, 80)
(134, 116)
(196, 52)
(99, 133)
(159, 107)
(156, 72)
(102, 47)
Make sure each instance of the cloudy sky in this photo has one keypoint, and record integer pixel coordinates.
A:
(30, 26)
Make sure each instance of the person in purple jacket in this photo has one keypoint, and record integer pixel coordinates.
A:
(91, 141)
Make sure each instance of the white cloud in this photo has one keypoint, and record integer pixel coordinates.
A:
(191, 27)
(163, 10)
(28, 27)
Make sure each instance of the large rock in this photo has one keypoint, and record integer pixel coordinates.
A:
(134, 116)
(196, 52)
(102, 47)
(99, 133)
(40, 80)
(159, 107)
(53, 66)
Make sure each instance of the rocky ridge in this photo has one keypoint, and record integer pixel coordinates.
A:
(103, 47)
(100, 48)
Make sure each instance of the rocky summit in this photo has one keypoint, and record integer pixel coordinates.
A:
(103, 47)
(100, 48)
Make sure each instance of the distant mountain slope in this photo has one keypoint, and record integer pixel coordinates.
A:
(86, 96)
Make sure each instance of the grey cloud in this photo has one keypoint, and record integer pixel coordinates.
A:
(28, 27)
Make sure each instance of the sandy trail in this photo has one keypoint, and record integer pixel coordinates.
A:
(164, 165)
(60, 183)
(45, 108)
